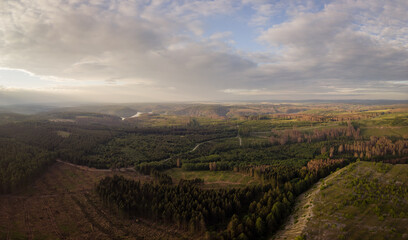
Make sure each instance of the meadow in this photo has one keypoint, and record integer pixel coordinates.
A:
(214, 179)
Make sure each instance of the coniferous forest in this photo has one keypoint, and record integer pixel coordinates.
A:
(203, 119)
(236, 177)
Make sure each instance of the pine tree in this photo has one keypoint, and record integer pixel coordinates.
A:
(260, 226)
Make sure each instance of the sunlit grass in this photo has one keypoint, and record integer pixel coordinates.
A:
(214, 178)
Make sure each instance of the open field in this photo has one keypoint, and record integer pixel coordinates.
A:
(385, 131)
(389, 119)
(366, 201)
(214, 179)
(63, 134)
(62, 205)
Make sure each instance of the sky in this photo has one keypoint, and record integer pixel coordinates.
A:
(114, 51)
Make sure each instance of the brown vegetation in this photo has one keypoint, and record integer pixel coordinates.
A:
(62, 205)
(295, 136)
(378, 147)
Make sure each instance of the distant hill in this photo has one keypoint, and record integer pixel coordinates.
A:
(12, 117)
(213, 111)
(25, 109)
(115, 110)
(210, 110)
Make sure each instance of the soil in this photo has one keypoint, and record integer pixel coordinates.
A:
(62, 204)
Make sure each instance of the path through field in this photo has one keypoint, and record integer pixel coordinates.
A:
(296, 222)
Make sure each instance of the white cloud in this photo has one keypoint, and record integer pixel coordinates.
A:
(86, 42)
(147, 48)
(220, 35)
(333, 43)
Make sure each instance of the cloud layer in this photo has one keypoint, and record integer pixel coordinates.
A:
(164, 50)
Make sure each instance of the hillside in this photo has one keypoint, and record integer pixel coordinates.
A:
(62, 204)
(366, 201)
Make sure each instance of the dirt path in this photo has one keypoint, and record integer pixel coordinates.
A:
(27, 221)
(199, 144)
(96, 169)
(296, 222)
(84, 167)
(196, 146)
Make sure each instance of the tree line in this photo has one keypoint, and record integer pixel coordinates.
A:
(20, 164)
(377, 148)
(295, 136)
(246, 213)
(28, 147)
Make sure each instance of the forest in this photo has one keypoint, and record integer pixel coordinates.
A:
(281, 155)
(252, 212)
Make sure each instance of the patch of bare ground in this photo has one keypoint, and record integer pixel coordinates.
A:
(62, 204)
(303, 211)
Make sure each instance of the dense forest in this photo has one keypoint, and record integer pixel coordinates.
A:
(248, 213)
(282, 155)
(20, 163)
(139, 146)
(28, 147)
(147, 148)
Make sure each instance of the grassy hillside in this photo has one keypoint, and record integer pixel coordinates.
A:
(366, 201)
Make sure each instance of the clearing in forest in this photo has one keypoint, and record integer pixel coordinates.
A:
(297, 221)
(366, 201)
(214, 179)
(62, 204)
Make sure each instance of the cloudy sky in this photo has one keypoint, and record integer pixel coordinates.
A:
(190, 50)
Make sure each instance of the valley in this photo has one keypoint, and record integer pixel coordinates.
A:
(201, 172)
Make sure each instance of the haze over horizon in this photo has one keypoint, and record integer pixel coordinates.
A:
(158, 50)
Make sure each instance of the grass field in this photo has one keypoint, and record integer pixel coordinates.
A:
(214, 179)
(172, 120)
(391, 119)
(63, 134)
(62, 205)
(366, 201)
(385, 131)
